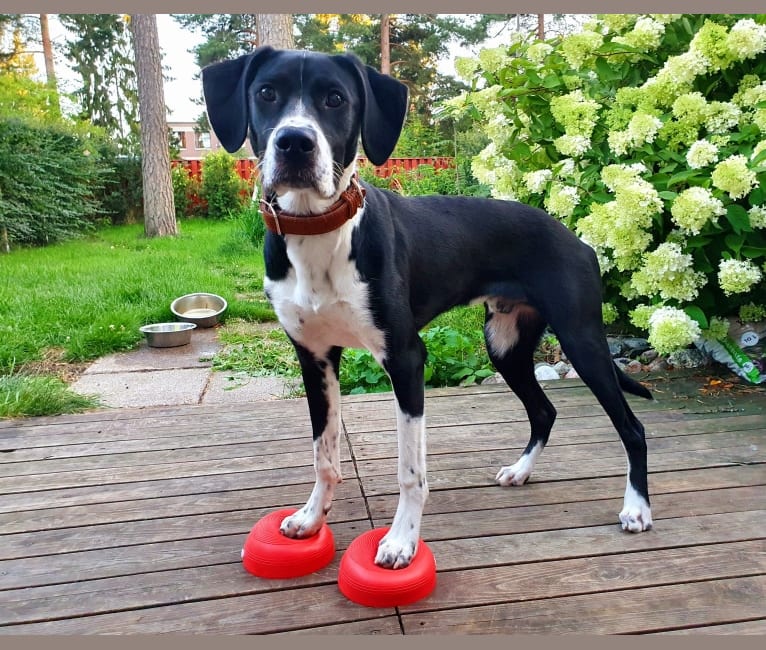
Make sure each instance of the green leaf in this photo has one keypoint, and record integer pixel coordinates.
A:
(552, 81)
(737, 216)
(668, 195)
(683, 176)
(735, 242)
(696, 314)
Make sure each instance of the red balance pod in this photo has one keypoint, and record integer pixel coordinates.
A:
(364, 582)
(269, 554)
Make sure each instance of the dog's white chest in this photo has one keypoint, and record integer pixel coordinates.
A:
(322, 302)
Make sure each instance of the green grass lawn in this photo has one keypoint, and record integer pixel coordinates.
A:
(77, 301)
(86, 298)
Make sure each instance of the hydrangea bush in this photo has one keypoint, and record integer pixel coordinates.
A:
(646, 135)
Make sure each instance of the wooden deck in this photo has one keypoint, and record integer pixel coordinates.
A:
(132, 521)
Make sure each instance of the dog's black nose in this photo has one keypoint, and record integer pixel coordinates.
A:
(295, 140)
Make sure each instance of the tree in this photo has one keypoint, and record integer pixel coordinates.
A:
(159, 208)
(50, 70)
(275, 30)
(101, 52)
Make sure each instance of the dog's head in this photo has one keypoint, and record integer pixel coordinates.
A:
(305, 112)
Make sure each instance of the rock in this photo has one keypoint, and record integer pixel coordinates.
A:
(544, 371)
(658, 365)
(497, 378)
(688, 358)
(622, 362)
(615, 346)
(649, 355)
(634, 366)
(635, 346)
(562, 368)
(572, 374)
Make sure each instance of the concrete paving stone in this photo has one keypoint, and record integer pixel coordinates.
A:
(229, 388)
(141, 389)
(204, 344)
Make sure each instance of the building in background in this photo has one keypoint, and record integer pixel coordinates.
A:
(195, 144)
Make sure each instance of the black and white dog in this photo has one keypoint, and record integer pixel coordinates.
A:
(352, 266)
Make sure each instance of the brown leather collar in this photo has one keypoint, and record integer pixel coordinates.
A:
(283, 223)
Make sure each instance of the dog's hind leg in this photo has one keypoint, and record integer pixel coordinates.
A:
(405, 368)
(320, 378)
(512, 333)
(588, 351)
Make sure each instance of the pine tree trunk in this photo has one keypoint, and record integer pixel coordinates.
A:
(50, 70)
(385, 44)
(159, 207)
(276, 30)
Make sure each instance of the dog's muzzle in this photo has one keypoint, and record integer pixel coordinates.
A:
(295, 144)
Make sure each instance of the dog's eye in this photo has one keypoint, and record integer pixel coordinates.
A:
(334, 99)
(267, 94)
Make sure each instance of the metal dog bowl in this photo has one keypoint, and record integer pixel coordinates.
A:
(202, 309)
(168, 335)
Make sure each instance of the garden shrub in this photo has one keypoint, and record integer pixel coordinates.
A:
(122, 196)
(222, 188)
(50, 175)
(185, 189)
(645, 136)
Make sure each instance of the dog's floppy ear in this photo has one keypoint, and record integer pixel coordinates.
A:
(385, 107)
(225, 85)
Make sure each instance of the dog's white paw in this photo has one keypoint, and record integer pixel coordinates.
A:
(516, 474)
(302, 524)
(636, 515)
(636, 518)
(396, 553)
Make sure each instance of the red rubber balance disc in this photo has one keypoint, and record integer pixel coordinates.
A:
(269, 554)
(364, 582)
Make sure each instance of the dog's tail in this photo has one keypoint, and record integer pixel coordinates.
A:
(630, 385)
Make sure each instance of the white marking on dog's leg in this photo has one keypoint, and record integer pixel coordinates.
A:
(520, 471)
(309, 519)
(636, 515)
(398, 547)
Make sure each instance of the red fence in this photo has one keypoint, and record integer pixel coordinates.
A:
(246, 167)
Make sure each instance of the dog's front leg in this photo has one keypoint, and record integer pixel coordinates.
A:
(397, 549)
(320, 378)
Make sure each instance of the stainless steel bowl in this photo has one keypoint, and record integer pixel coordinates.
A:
(202, 309)
(168, 335)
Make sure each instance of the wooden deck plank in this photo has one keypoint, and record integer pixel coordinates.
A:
(142, 558)
(130, 521)
(588, 489)
(757, 626)
(610, 573)
(542, 546)
(268, 612)
(626, 612)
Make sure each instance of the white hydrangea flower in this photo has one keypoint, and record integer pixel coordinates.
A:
(538, 51)
(619, 141)
(566, 167)
(747, 39)
(757, 215)
(695, 207)
(668, 272)
(671, 329)
(537, 180)
(562, 200)
(643, 128)
(701, 154)
(646, 34)
(737, 276)
(733, 176)
(722, 116)
(572, 145)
